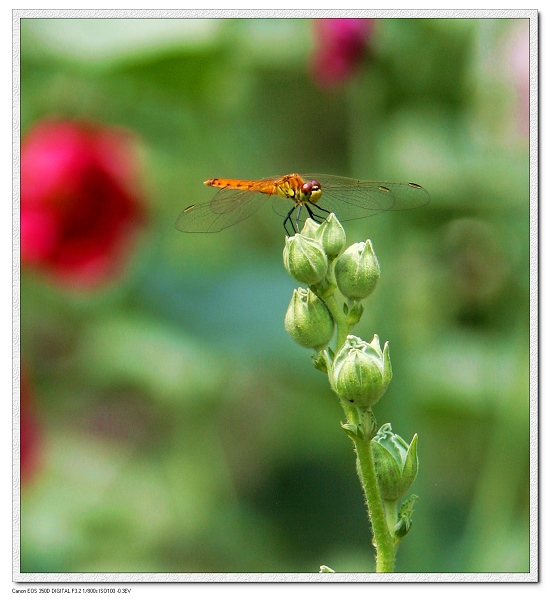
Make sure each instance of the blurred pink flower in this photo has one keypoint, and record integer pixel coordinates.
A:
(518, 67)
(341, 46)
(79, 202)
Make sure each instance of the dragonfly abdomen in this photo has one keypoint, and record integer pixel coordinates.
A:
(241, 184)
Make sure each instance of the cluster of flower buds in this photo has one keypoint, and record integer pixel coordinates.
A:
(315, 258)
(308, 257)
(359, 372)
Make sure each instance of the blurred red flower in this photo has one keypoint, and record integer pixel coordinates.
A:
(79, 200)
(341, 47)
(29, 433)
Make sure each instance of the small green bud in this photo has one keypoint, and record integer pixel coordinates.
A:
(355, 432)
(305, 259)
(396, 462)
(404, 520)
(321, 361)
(361, 372)
(308, 320)
(332, 236)
(310, 229)
(402, 527)
(325, 569)
(357, 271)
(354, 312)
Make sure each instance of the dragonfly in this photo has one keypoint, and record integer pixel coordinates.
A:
(296, 197)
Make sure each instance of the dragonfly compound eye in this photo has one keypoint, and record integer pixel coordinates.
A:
(307, 187)
(312, 190)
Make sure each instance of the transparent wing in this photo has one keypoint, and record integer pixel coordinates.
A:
(228, 207)
(348, 198)
(357, 198)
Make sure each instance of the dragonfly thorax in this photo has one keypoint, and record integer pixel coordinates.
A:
(295, 188)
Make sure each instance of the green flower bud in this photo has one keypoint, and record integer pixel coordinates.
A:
(310, 229)
(332, 236)
(308, 320)
(357, 271)
(322, 361)
(325, 569)
(305, 259)
(404, 520)
(361, 372)
(396, 462)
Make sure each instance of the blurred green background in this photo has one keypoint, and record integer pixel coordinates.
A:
(181, 428)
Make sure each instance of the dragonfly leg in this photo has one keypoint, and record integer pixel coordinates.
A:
(298, 216)
(295, 223)
(321, 208)
(288, 219)
(316, 218)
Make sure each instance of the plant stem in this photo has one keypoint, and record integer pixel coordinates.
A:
(351, 413)
(390, 508)
(382, 538)
(342, 325)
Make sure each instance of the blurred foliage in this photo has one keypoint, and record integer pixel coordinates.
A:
(183, 429)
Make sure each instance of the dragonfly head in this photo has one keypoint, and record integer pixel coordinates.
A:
(311, 191)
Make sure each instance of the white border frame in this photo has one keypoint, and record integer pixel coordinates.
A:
(98, 578)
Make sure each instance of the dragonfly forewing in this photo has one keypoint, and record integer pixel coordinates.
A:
(227, 208)
(356, 198)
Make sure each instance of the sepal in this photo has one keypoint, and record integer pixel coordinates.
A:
(355, 432)
(396, 463)
(321, 361)
(404, 519)
(354, 313)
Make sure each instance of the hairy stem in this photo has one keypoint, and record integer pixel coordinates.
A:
(382, 538)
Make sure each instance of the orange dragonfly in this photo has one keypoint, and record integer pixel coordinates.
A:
(318, 195)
